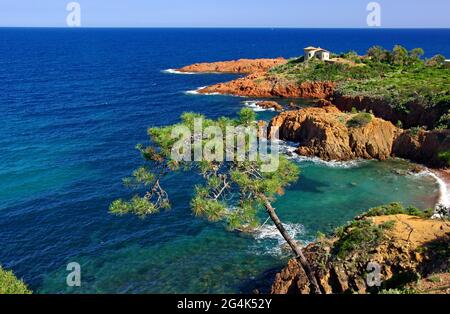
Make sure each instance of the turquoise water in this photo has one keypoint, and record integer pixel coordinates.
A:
(74, 104)
(208, 259)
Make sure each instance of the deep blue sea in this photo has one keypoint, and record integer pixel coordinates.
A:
(73, 105)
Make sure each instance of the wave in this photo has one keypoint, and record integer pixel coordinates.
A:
(289, 149)
(197, 92)
(174, 71)
(253, 104)
(444, 191)
(270, 232)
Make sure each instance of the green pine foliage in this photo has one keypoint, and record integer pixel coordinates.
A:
(232, 192)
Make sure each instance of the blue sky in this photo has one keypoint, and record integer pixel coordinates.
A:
(225, 13)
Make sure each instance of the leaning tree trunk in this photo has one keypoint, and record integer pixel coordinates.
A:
(294, 246)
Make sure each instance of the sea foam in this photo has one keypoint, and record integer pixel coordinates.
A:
(444, 192)
(174, 71)
(197, 92)
(253, 104)
(288, 148)
(269, 232)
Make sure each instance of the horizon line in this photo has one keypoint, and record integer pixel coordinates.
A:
(225, 27)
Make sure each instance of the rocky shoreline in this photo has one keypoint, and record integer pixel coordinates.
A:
(330, 134)
(259, 85)
(342, 128)
(404, 249)
(242, 66)
(379, 139)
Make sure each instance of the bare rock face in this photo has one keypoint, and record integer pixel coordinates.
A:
(416, 115)
(259, 83)
(423, 147)
(242, 66)
(323, 132)
(263, 85)
(397, 254)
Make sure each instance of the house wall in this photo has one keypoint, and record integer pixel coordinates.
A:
(308, 54)
(324, 55)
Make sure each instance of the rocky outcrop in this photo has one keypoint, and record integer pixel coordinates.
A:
(260, 83)
(264, 85)
(269, 105)
(423, 146)
(407, 252)
(325, 132)
(242, 66)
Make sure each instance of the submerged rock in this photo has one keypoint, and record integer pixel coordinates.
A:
(269, 105)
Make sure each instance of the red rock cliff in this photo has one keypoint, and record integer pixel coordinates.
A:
(325, 132)
(264, 85)
(242, 66)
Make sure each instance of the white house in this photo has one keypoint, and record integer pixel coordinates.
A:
(447, 63)
(313, 52)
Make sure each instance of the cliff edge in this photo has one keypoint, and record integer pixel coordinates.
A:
(375, 254)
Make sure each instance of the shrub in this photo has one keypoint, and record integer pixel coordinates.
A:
(359, 120)
(361, 235)
(378, 54)
(415, 130)
(445, 157)
(398, 291)
(444, 121)
(9, 284)
(436, 61)
(395, 209)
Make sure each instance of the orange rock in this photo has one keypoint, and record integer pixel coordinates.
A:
(323, 132)
(270, 105)
(242, 66)
(264, 85)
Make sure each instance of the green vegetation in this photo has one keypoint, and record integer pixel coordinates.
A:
(445, 156)
(444, 121)
(399, 77)
(359, 120)
(235, 191)
(428, 86)
(397, 209)
(361, 235)
(435, 279)
(316, 70)
(9, 284)
(398, 291)
(239, 178)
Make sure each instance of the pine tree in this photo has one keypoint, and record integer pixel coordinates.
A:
(234, 191)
